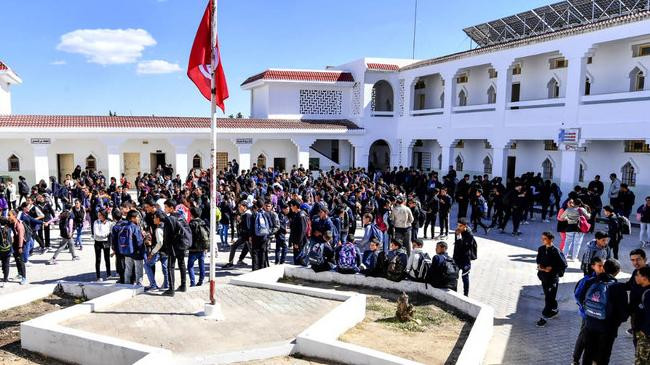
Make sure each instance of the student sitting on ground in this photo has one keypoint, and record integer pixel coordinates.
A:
(321, 254)
(396, 261)
(418, 263)
(443, 272)
(370, 264)
(348, 258)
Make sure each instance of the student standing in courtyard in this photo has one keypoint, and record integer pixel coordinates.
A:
(642, 313)
(464, 251)
(638, 260)
(551, 265)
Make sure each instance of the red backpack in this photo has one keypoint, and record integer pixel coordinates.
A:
(380, 223)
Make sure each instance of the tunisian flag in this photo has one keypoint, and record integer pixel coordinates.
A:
(199, 67)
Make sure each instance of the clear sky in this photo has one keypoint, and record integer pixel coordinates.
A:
(130, 56)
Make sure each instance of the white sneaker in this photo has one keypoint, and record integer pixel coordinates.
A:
(28, 264)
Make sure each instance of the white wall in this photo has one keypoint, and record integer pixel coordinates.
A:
(5, 98)
(606, 79)
(284, 101)
(260, 102)
(535, 75)
(275, 148)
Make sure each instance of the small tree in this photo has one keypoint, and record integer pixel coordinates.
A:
(239, 115)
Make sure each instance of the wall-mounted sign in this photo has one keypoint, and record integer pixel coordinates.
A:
(570, 135)
(40, 141)
(244, 141)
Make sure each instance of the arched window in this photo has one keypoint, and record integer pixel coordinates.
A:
(261, 161)
(14, 163)
(462, 98)
(588, 86)
(628, 174)
(547, 170)
(637, 80)
(382, 97)
(440, 161)
(492, 95)
(196, 162)
(487, 165)
(459, 163)
(553, 89)
(91, 163)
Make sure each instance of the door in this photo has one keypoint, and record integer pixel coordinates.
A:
(512, 163)
(131, 166)
(65, 164)
(280, 163)
(515, 94)
(157, 159)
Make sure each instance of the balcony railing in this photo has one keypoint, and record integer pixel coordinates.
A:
(541, 103)
(473, 108)
(616, 97)
(432, 111)
(375, 113)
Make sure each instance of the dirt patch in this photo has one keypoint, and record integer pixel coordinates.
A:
(10, 350)
(435, 336)
(289, 360)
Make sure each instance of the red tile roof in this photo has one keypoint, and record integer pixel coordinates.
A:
(382, 67)
(121, 122)
(3, 66)
(296, 75)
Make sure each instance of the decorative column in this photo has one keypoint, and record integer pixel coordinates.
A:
(244, 156)
(499, 160)
(114, 162)
(447, 152)
(303, 146)
(181, 145)
(574, 90)
(360, 157)
(568, 168)
(405, 153)
(41, 163)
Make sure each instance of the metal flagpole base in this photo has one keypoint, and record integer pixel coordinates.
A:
(213, 312)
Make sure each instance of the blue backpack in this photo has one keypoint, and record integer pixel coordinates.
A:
(596, 300)
(261, 225)
(125, 240)
(483, 206)
(347, 262)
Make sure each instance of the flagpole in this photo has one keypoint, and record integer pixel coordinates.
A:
(213, 125)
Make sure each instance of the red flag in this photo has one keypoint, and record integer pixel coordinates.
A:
(199, 67)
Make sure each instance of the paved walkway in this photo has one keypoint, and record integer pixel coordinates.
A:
(504, 276)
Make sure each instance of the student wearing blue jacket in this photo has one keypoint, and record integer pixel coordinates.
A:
(579, 293)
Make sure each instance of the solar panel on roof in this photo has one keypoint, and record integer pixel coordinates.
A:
(551, 18)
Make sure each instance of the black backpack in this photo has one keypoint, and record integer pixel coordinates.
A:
(445, 277)
(200, 235)
(183, 236)
(5, 240)
(395, 268)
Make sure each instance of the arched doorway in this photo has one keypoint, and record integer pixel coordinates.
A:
(382, 97)
(379, 155)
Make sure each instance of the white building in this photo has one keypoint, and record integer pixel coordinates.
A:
(578, 65)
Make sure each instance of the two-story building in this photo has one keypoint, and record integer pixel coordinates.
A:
(559, 90)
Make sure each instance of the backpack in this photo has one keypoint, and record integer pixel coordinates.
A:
(347, 262)
(317, 258)
(483, 206)
(596, 300)
(473, 250)
(449, 277)
(583, 224)
(307, 225)
(422, 266)
(200, 235)
(125, 239)
(262, 228)
(379, 222)
(183, 236)
(5, 242)
(395, 269)
(64, 219)
(624, 225)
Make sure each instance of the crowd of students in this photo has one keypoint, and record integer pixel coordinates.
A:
(316, 218)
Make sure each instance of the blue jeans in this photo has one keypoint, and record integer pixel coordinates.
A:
(150, 270)
(78, 239)
(223, 234)
(26, 248)
(190, 266)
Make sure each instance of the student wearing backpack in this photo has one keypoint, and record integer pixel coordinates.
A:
(418, 262)
(321, 254)
(479, 210)
(23, 189)
(245, 230)
(579, 293)
(262, 232)
(395, 262)
(638, 260)
(642, 313)
(154, 251)
(597, 247)
(66, 229)
(613, 229)
(30, 224)
(465, 251)
(551, 265)
(18, 245)
(200, 243)
(130, 235)
(606, 307)
(281, 235)
(177, 238)
(443, 271)
(348, 258)
(298, 230)
(5, 249)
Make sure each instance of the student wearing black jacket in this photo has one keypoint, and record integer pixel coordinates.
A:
(600, 334)
(170, 247)
(613, 229)
(245, 230)
(464, 252)
(298, 229)
(550, 267)
(638, 259)
(642, 313)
